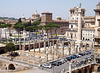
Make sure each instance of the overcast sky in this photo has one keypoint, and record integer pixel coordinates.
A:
(16, 8)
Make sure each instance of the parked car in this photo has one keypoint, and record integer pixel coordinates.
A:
(92, 56)
(82, 54)
(59, 62)
(54, 63)
(88, 52)
(73, 56)
(77, 56)
(68, 58)
(47, 65)
(63, 61)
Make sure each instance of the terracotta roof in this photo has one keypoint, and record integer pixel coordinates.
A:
(13, 21)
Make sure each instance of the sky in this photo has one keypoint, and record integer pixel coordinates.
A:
(59, 8)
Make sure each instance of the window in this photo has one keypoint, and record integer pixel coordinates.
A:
(71, 26)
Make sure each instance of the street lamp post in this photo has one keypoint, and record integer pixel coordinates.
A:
(53, 69)
(70, 65)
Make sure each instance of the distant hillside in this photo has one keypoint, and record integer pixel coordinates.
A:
(12, 18)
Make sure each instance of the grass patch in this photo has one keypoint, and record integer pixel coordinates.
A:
(16, 36)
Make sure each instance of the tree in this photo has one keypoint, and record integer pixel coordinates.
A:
(41, 28)
(51, 26)
(19, 28)
(35, 28)
(29, 28)
(36, 23)
(1, 23)
(10, 47)
(47, 28)
(56, 26)
(19, 21)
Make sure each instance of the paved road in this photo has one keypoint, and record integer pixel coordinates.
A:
(66, 65)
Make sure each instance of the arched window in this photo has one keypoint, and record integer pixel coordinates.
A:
(71, 35)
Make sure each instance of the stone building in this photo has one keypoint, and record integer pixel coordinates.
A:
(97, 38)
(47, 18)
(87, 27)
(35, 16)
(72, 32)
(94, 68)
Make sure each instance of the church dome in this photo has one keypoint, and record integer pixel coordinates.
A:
(23, 17)
(36, 13)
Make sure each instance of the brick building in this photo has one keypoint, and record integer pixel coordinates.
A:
(47, 18)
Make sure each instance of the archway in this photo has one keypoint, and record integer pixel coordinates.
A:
(98, 69)
(79, 71)
(90, 70)
(85, 70)
(11, 67)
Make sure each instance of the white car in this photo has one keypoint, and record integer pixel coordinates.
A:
(78, 55)
(47, 65)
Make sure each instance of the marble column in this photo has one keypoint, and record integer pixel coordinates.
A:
(76, 50)
(69, 48)
(53, 43)
(62, 49)
(44, 46)
(24, 44)
(34, 45)
(39, 46)
(50, 48)
(79, 24)
(48, 44)
(56, 49)
(53, 53)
